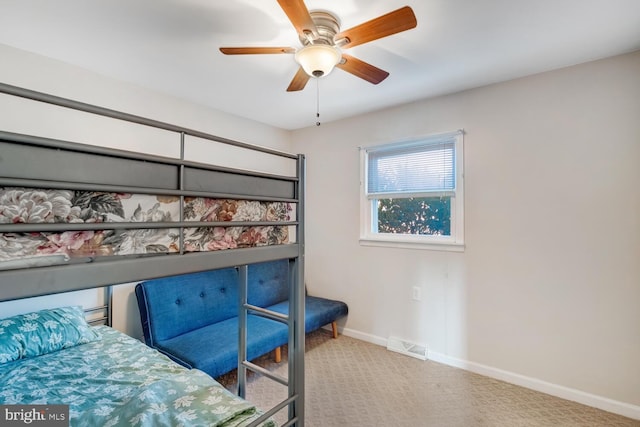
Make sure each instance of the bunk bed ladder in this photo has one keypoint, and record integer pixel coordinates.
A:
(294, 320)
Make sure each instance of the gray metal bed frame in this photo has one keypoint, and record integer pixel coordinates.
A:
(106, 316)
(36, 162)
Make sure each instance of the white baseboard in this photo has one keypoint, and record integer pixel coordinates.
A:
(606, 404)
(373, 339)
(595, 401)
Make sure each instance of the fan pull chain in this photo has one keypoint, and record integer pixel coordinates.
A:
(318, 102)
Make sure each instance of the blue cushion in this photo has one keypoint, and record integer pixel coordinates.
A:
(268, 283)
(318, 311)
(173, 305)
(214, 348)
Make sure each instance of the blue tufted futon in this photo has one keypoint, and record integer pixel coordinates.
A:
(193, 318)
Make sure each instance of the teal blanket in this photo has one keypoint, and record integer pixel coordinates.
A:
(119, 381)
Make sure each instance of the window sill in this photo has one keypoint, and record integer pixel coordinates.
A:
(430, 246)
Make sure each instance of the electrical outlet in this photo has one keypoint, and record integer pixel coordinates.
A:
(416, 293)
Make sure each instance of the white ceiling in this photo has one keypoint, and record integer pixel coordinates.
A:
(172, 46)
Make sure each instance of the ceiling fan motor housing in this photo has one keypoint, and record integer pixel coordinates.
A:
(325, 52)
(327, 25)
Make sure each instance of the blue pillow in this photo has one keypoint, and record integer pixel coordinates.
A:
(42, 332)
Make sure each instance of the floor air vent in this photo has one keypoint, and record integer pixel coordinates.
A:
(409, 348)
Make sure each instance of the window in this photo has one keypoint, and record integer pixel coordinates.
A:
(412, 193)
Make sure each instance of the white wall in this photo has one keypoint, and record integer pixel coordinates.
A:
(546, 292)
(38, 73)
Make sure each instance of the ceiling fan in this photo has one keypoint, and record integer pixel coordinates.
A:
(322, 41)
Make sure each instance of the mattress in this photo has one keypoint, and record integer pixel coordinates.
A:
(119, 381)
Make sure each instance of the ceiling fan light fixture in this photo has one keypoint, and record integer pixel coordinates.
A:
(318, 60)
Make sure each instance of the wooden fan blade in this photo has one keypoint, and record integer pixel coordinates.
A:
(255, 50)
(299, 16)
(362, 69)
(393, 22)
(299, 81)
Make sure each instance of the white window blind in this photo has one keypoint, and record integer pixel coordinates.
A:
(418, 168)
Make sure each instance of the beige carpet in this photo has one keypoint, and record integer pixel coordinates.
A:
(353, 383)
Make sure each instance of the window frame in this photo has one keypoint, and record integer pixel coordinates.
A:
(368, 208)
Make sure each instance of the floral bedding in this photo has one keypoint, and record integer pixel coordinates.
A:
(22, 205)
(118, 381)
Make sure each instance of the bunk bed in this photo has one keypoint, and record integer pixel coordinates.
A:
(75, 216)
